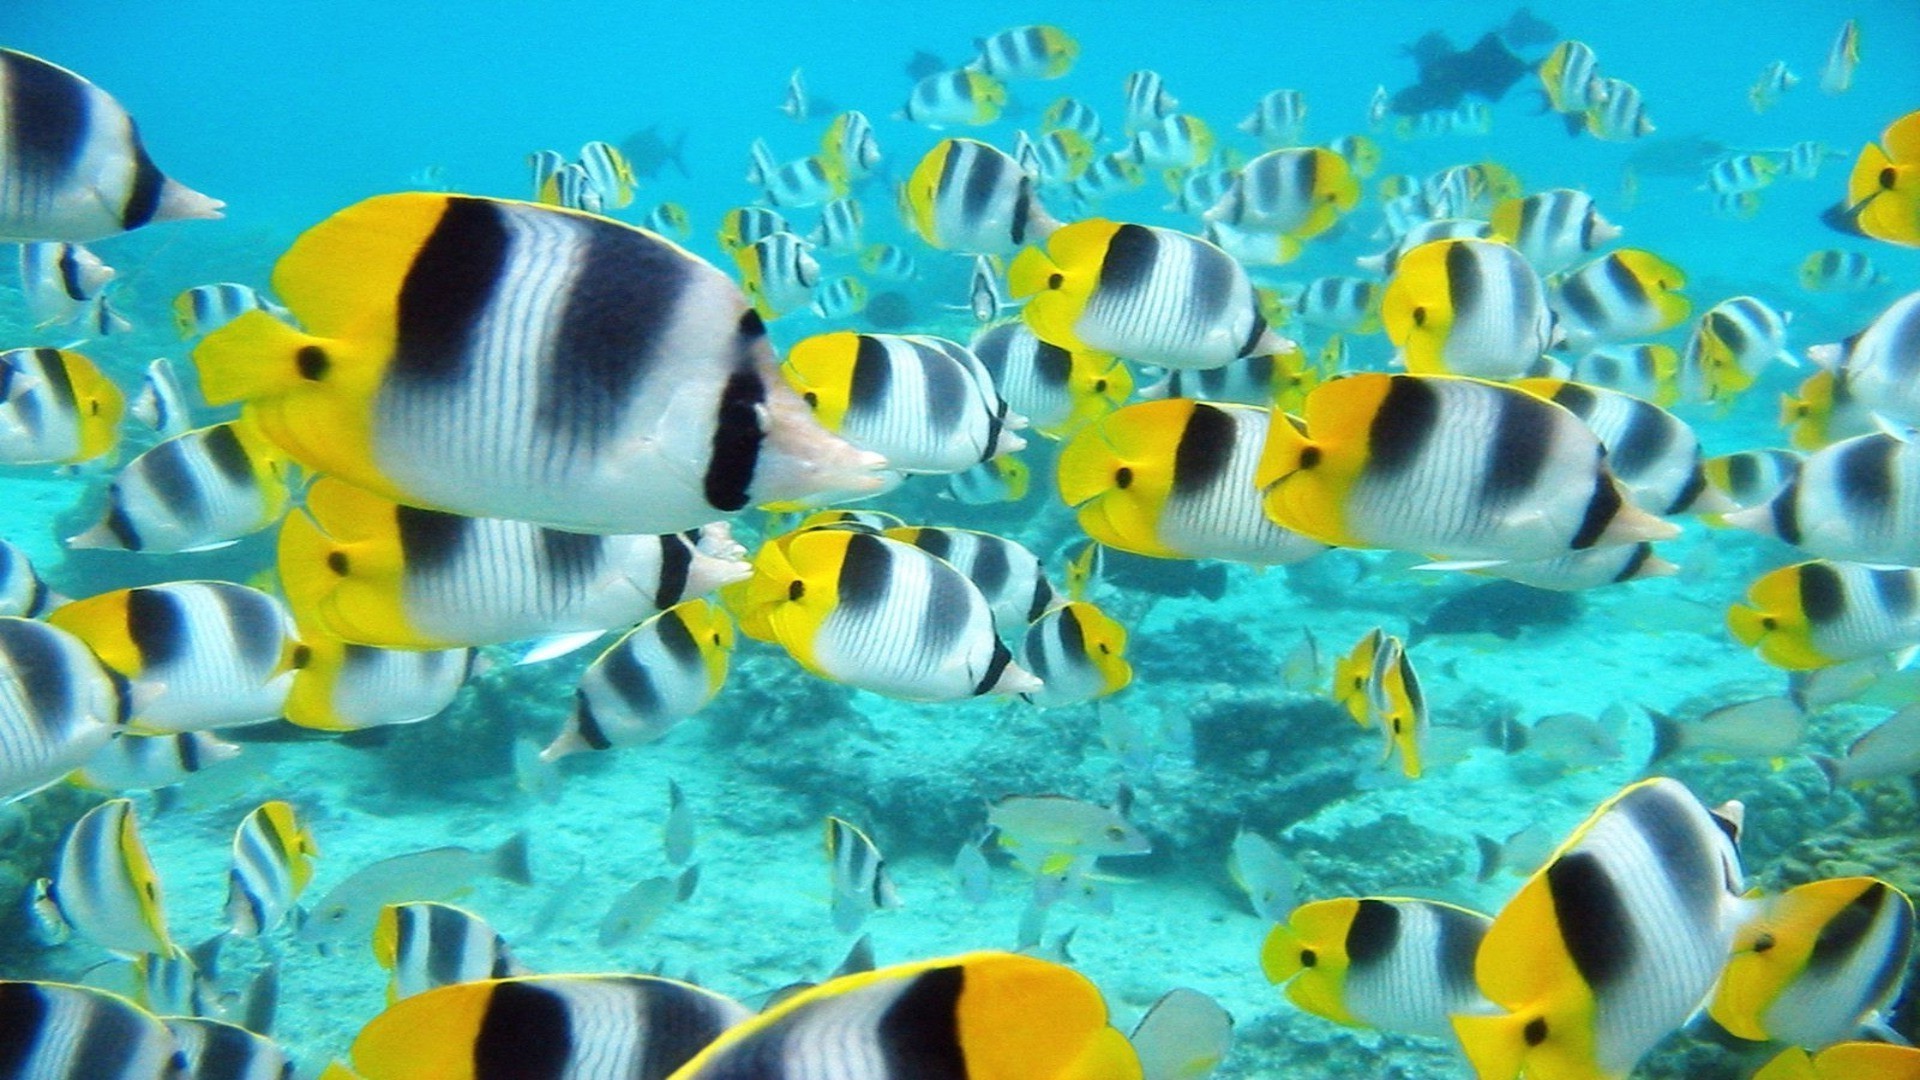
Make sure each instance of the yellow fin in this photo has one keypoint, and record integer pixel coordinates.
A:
(342, 277)
(1902, 139)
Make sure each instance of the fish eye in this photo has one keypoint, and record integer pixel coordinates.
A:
(313, 362)
(1123, 478)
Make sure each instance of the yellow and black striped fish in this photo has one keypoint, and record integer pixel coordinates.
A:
(487, 357)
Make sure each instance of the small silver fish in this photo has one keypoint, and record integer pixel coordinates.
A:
(1270, 880)
(1889, 751)
(641, 906)
(349, 910)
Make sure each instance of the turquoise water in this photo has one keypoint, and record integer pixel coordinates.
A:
(289, 112)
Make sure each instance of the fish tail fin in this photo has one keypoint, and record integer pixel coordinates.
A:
(1668, 737)
(1829, 767)
(513, 860)
(256, 356)
(674, 155)
(1489, 851)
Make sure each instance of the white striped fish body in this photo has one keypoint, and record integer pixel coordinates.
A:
(1618, 114)
(657, 674)
(161, 402)
(779, 272)
(1643, 903)
(367, 686)
(51, 403)
(1009, 576)
(197, 491)
(861, 885)
(1340, 304)
(1855, 967)
(925, 634)
(1618, 297)
(1653, 453)
(217, 1048)
(1170, 299)
(804, 182)
(427, 945)
(873, 1026)
(839, 228)
(1816, 614)
(1500, 324)
(1522, 494)
(902, 623)
(1278, 118)
(1425, 232)
(1410, 965)
(1740, 174)
(146, 762)
(1147, 100)
(1554, 229)
(272, 864)
(1645, 371)
(58, 706)
(1075, 650)
(1213, 510)
(557, 368)
(1030, 373)
(1880, 366)
(1857, 499)
(57, 278)
(78, 1033)
(1027, 52)
(1276, 192)
(206, 308)
(970, 197)
(955, 97)
(105, 886)
(72, 166)
(925, 408)
(524, 581)
(200, 654)
(630, 1027)
(22, 591)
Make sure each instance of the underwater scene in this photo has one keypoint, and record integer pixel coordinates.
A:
(1011, 541)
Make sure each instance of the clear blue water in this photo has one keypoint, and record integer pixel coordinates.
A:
(292, 111)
